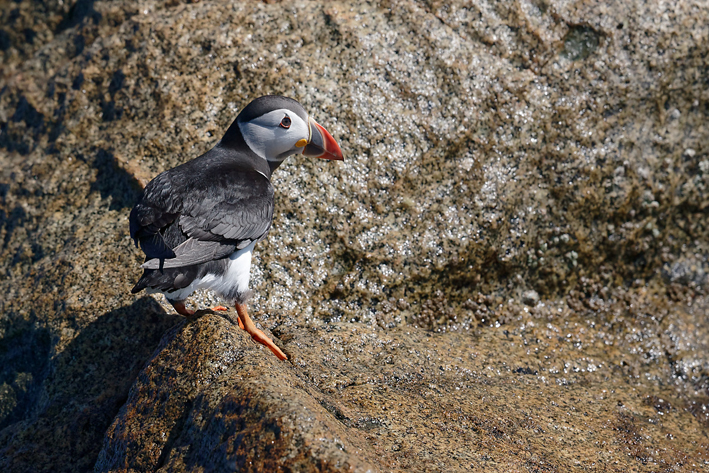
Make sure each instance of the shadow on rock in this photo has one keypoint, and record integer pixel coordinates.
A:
(25, 350)
(213, 400)
(114, 182)
(72, 398)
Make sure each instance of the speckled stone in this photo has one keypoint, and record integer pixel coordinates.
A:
(224, 406)
(493, 150)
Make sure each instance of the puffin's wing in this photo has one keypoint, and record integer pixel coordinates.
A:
(226, 209)
(158, 207)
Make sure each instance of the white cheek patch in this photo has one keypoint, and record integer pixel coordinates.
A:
(269, 140)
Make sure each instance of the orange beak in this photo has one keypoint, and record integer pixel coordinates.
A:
(322, 144)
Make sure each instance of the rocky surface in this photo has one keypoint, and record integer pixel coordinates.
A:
(507, 273)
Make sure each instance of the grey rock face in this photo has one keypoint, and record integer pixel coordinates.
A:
(530, 297)
(491, 148)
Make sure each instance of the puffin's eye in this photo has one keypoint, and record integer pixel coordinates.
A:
(285, 123)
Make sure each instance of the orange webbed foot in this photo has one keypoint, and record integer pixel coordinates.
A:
(257, 335)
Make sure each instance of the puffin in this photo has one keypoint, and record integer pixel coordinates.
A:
(198, 223)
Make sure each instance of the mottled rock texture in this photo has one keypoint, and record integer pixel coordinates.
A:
(507, 273)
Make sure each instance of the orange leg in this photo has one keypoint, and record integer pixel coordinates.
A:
(246, 324)
(181, 309)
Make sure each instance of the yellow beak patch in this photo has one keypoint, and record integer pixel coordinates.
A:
(301, 143)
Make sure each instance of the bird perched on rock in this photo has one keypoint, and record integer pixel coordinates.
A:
(198, 222)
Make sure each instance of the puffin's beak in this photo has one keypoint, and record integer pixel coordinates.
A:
(321, 144)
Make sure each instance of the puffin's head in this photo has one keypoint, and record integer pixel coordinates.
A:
(275, 127)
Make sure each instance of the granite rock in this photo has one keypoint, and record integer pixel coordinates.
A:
(224, 406)
(493, 150)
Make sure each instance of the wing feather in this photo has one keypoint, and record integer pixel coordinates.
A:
(208, 211)
(192, 252)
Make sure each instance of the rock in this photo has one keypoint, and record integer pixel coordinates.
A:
(491, 149)
(530, 297)
(225, 406)
(70, 397)
(353, 397)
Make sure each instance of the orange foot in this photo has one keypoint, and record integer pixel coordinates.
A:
(256, 334)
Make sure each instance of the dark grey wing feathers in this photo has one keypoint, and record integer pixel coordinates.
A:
(154, 246)
(200, 212)
(244, 220)
(147, 218)
(192, 252)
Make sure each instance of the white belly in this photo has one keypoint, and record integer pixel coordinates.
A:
(234, 279)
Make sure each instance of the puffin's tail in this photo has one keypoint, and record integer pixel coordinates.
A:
(142, 282)
(167, 279)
